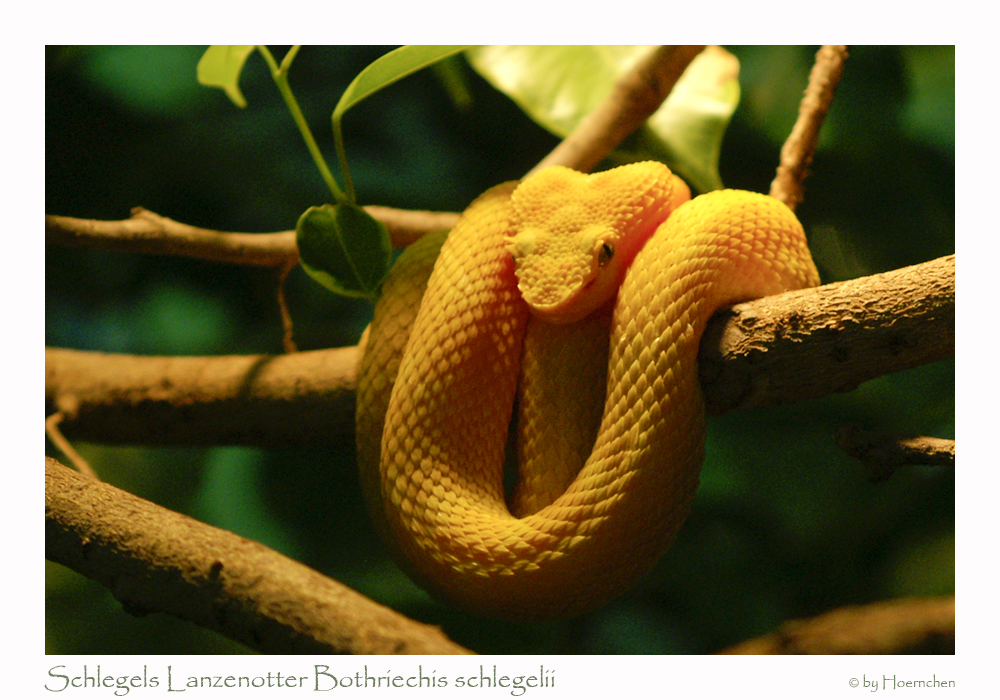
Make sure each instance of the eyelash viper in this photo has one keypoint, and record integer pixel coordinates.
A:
(589, 515)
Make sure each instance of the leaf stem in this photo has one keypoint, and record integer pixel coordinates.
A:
(338, 142)
(286, 62)
(280, 75)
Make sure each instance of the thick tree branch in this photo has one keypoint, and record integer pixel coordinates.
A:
(633, 99)
(797, 153)
(155, 560)
(814, 342)
(906, 626)
(779, 349)
(274, 401)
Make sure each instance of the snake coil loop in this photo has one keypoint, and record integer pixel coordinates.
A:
(601, 494)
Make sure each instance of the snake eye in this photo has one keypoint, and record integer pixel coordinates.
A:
(604, 257)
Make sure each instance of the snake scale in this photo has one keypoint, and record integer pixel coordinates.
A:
(525, 294)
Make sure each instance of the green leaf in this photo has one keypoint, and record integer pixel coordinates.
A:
(389, 68)
(221, 66)
(381, 72)
(687, 131)
(344, 248)
(557, 86)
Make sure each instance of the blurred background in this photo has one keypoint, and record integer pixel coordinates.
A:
(784, 525)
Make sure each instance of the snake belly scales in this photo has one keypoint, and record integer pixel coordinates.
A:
(608, 463)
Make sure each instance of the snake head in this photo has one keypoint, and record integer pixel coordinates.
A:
(575, 235)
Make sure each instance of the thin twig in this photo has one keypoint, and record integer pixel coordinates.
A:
(287, 326)
(216, 579)
(883, 454)
(633, 99)
(797, 153)
(147, 232)
(778, 349)
(63, 445)
(906, 626)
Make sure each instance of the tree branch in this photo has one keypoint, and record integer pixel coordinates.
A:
(797, 153)
(53, 433)
(633, 99)
(830, 339)
(273, 401)
(155, 560)
(882, 454)
(407, 225)
(147, 232)
(779, 349)
(906, 626)
(261, 598)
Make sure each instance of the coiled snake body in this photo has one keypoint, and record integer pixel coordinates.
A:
(589, 515)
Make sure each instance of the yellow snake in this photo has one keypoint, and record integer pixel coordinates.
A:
(589, 515)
